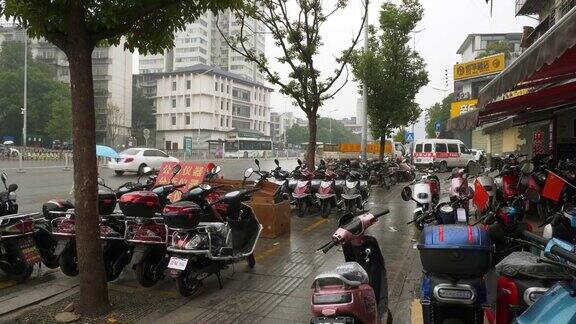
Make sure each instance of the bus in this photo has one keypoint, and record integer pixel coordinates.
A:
(241, 147)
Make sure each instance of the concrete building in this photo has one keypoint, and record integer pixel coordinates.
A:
(206, 103)
(473, 72)
(280, 123)
(112, 74)
(201, 43)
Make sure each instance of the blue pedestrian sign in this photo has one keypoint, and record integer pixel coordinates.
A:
(409, 137)
(437, 126)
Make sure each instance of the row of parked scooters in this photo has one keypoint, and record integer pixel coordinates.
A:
(494, 267)
(344, 185)
(188, 240)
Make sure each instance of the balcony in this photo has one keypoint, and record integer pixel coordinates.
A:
(529, 7)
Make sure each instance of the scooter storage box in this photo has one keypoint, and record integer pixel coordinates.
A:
(58, 205)
(140, 204)
(106, 202)
(182, 215)
(455, 250)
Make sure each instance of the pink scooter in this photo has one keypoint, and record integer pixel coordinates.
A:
(356, 291)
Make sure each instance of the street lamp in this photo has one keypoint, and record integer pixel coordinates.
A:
(24, 107)
(414, 32)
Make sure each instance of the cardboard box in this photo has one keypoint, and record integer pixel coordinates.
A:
(275, 218)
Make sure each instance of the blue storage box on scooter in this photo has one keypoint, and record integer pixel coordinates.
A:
(455, 250)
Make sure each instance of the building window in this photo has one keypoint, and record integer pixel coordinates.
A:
(187, 119)
(188, 84)
(187, 102)
(227, 120)
(215, 86)
(227, 105)
(221, 87)
(173, 120)
(221, 121)
(173, 103)
(174, 86)
(227, 88)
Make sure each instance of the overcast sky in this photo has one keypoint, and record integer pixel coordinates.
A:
(446, 24)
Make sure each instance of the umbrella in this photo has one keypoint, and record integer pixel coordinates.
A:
(8, 143)
(106, 151)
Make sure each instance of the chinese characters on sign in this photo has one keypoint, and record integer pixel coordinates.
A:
(191, 174)
(461, 107)
(486, 65)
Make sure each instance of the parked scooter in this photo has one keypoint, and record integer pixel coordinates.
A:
(281, 178)
(356, 291)
(460, 193)
(199, 250)
(303, 194)
(327, 195)
(426, 194)
(406, 171)
(558, 304)
(18, 251)
(356, 191)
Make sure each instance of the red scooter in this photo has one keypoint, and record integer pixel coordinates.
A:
(326, 194)
(303, 191)
(356, 291)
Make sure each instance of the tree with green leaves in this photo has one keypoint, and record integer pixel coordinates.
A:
(77, 27)
(439, 112)
(336, 133)
(391, 71)
(142, 115)
(297, 33)
(498, 47)
(400, 135)
(59, 126)
(43, 92)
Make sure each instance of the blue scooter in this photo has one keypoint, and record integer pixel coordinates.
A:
(558, 304)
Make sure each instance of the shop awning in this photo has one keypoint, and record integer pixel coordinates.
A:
(464, 121)
(548, 98)
(536, 63)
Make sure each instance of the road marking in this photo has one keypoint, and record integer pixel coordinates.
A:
(314, 225)
(416, 312)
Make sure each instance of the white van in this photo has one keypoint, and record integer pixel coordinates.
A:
(445, 153)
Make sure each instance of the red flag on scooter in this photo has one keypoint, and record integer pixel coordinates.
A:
(481, 196)
(553, 187)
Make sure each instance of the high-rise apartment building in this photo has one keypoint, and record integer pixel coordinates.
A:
(112, 74)
(201, 43)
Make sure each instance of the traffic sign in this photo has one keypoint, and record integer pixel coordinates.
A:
(409, 137)
(146, 133)
(437, 126)
(437, 134)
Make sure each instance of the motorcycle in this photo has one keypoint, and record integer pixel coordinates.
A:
(356, 291)
(327, 195)
(406, 172)
(426, 194)
(18, 251)
(280, 177)
(199, 250)
(302, 194)
(355, 193)
(557, 304)
(460, 193)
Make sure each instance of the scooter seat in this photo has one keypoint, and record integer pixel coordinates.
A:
(526, 264)
(350, 273)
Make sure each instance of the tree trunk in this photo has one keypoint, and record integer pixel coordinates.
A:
(382, 147)
(93, 287)
(311, 152)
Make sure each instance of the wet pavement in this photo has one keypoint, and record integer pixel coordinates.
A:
(277, 290)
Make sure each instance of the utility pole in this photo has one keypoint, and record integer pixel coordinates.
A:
(24, 107)
(364, 96)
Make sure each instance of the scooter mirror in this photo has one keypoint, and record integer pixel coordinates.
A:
(406, 194)
(248, 173)
(257, 162)
(532, 195)
(322, 162)
(455, 171)
(277, 162)
(101, 181)
(176, 169)
(299, 161)
(217, 169)
(13, 187)
(527, 168)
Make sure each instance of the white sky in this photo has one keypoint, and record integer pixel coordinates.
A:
(446, 24)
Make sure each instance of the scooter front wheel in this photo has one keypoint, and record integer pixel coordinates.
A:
(251, 261)
(326, 208)
(23, 272)
(302, 207)
(187, 284)
(146, 269)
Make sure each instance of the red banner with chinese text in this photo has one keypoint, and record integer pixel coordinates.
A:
(191, 174)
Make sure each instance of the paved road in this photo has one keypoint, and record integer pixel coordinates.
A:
(277, 290)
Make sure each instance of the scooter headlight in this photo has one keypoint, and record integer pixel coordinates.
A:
(197, 242)
(350, 184)
(341, 298)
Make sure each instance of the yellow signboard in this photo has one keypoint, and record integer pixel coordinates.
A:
(461, 107)
(486, 65)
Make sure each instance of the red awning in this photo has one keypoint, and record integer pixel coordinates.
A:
(547, 98)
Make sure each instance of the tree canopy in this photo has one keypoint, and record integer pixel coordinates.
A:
(44, 92)
(297, 33)
(142, 115)
(497, 48)
(391, 71)
(340, 134)
(439, 112)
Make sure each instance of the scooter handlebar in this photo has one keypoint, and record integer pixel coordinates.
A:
(556, 250)
(382, 213)
(326, 247)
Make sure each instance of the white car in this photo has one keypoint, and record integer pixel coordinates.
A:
(135, 159)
